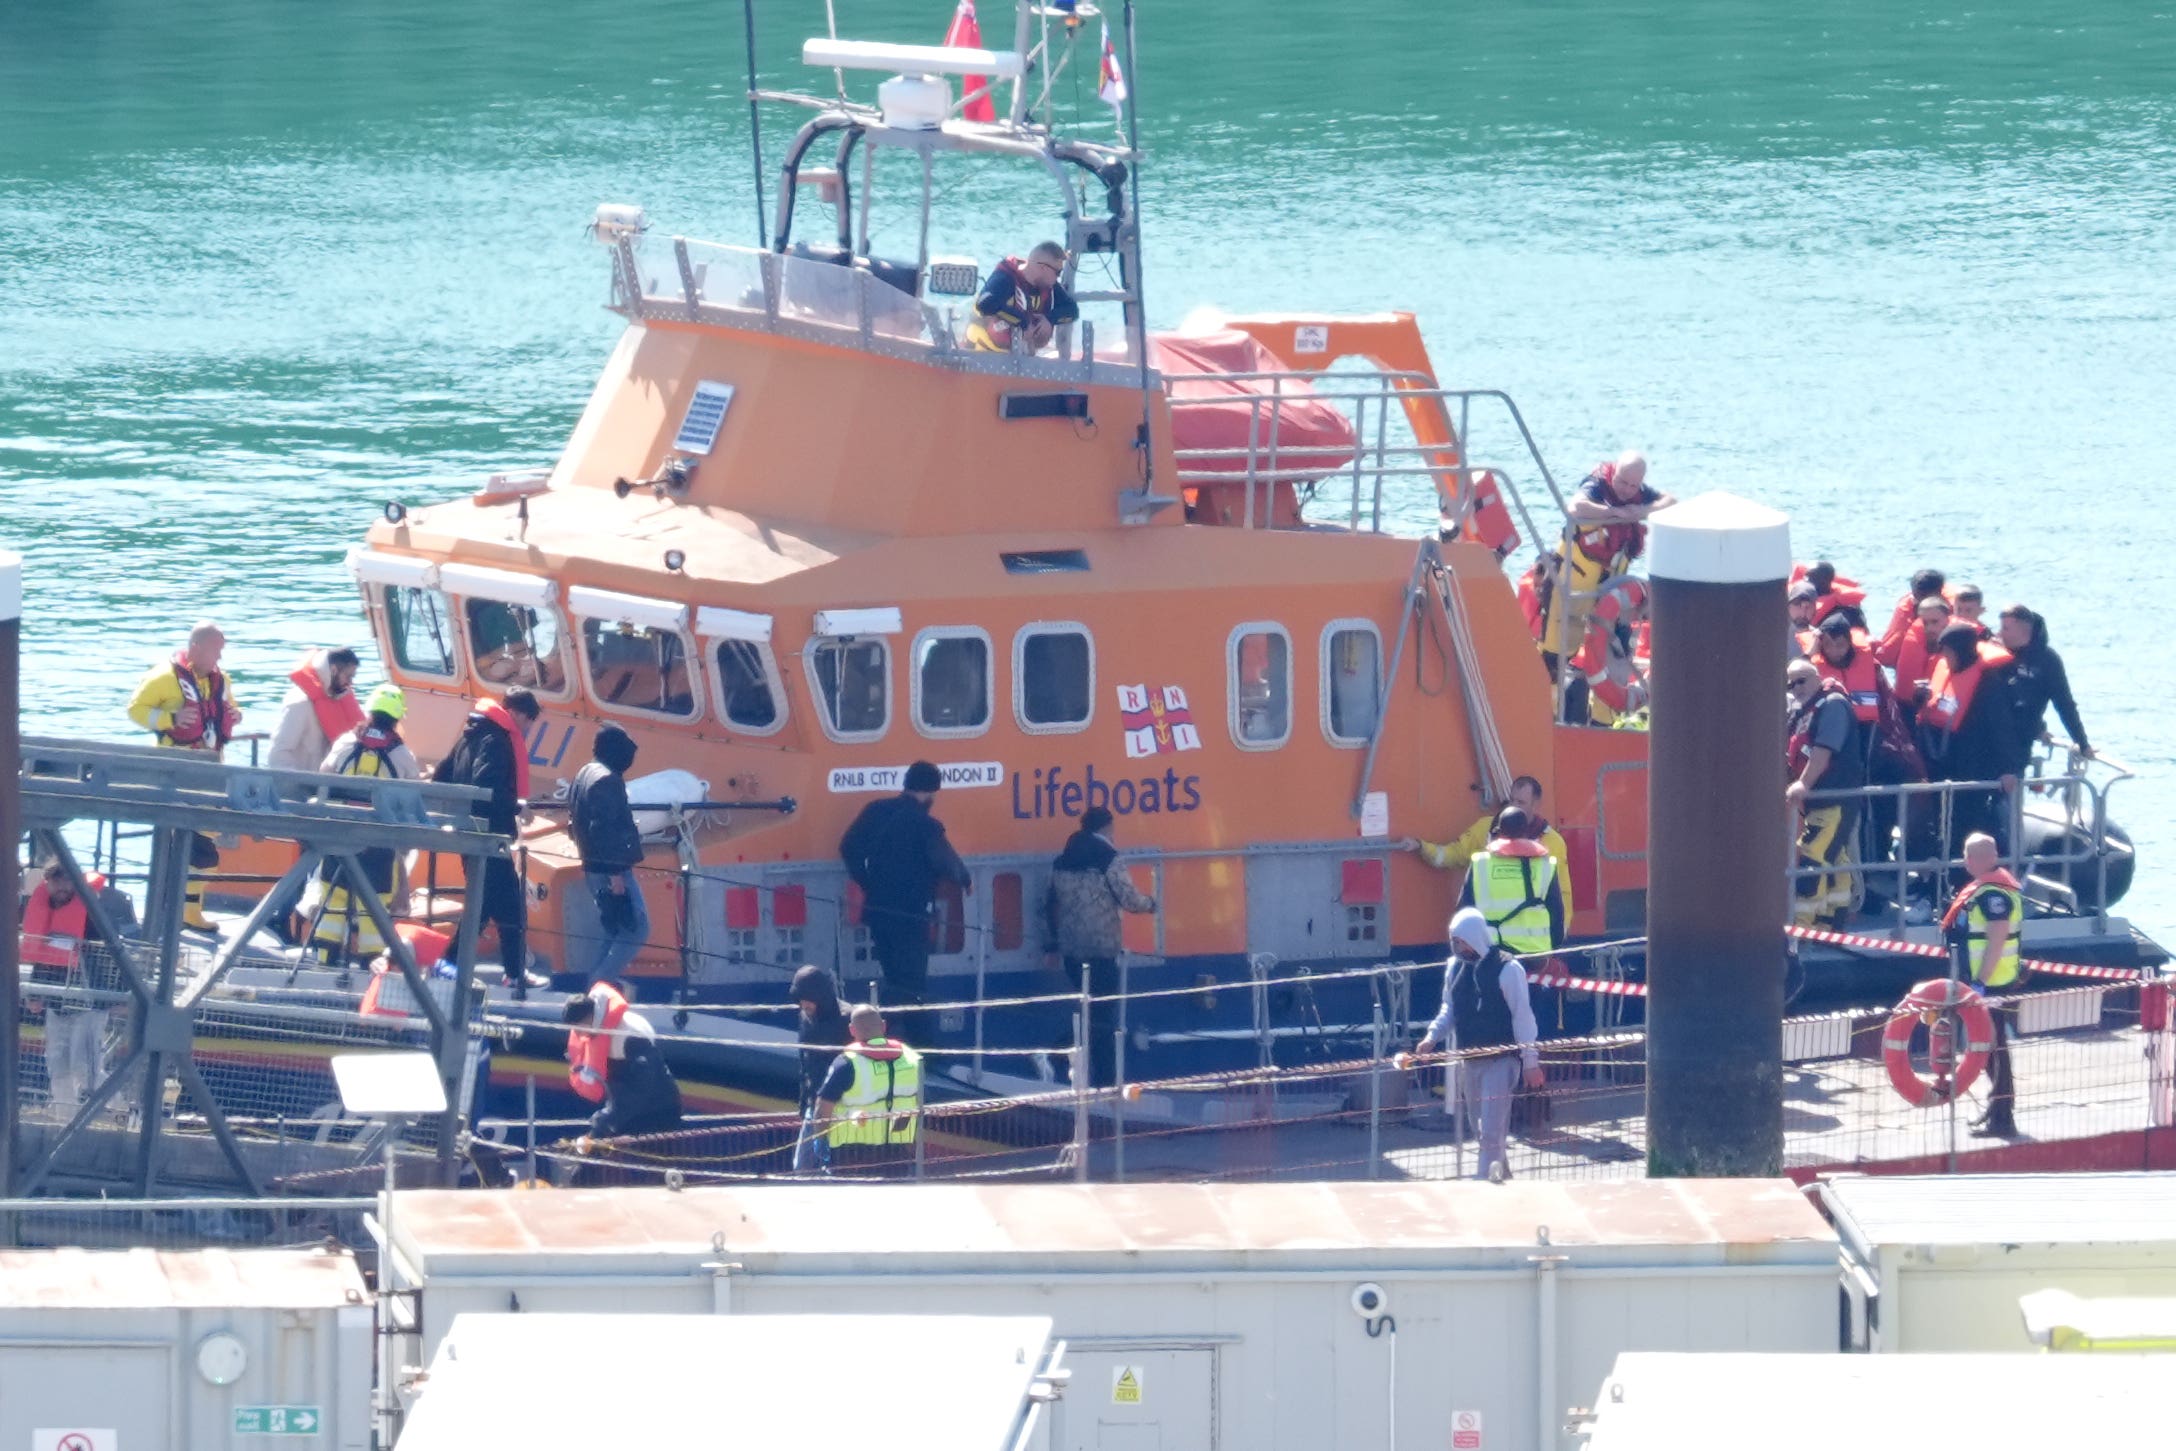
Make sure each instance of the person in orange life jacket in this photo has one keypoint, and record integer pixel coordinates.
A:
(889, 1108)
(341, 928)
(1982, 928)
(1485, 1006)
(1518, 834)
(1023, 302)
(492, 754)
(54, 928)
(897, 853)
(1832, 592)
(1912, 653)
(1089, 889)
(1970, 608)
(319, 707)
(1925, 584)
(1823, 752)
(1967, 731)
(822, 1025)
(1799, 604)
(1457, 854)
(2034, 679)
(188, 703)
(1608, 520)
(604, 831)
(1842, 655)
(612, 1041)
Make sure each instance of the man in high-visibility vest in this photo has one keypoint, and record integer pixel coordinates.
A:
(870, 1104)
(1982, 928)
(1457, 853)
(1514, 884)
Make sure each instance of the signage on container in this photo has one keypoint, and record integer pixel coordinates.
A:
(1126, 1385)
(1465, 1431)
(62, 1438)
(278, 1420)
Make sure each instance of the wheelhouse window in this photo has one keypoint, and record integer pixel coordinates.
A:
(952, 681)
(419, 629)
(1352, 681)
(1260, 686)
(1054, 678)
(516, 645)
(852, 678)
(749, 693)
(643, 669)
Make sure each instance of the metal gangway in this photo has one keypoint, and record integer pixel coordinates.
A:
(171, 982)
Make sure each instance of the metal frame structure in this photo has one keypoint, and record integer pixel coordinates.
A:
(177, 795)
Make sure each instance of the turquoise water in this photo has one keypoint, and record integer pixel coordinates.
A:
(1907, 271)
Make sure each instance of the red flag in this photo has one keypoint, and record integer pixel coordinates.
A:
(967, 32)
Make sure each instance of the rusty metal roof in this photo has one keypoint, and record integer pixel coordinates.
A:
(830, 1227)
(131, 1279)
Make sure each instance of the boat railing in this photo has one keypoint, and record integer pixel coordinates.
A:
(845, 301)
(1392, 416)
(2070, 877)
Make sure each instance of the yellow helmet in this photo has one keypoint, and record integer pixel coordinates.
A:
(387, 700)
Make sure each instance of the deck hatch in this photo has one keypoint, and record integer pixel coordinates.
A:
(1045, 561)
(1013, 407)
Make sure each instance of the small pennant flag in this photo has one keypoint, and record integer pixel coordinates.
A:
(1110, 80)
(966, 32)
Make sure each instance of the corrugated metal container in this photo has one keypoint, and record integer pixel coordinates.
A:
(153, 1350)
(1196, 1316)
(779, 1383)
(1881, 1403)
(1938, 1263)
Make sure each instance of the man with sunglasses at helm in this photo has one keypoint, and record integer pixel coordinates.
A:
(1023, 302)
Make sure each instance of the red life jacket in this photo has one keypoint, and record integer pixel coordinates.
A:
(427, 944)
(503, 718)
(589, 1050)
(1860, 676)
(53, 936)
(1613, 546)
(1801, 727)
(1028, 301)
(214, 716)
(1912, 657)
(336, 714)
(1530, 600)
(1949, 696)
(1999, 877)
(1489, 522)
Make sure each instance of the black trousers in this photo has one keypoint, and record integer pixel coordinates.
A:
(2001, 1079)
(1101, 976)
(506, 907)
(902, 950)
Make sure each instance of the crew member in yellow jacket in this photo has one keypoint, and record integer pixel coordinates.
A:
(1457, 856)
(187, 703)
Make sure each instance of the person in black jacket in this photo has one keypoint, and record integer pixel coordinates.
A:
(603, 827)
(896, 853)
(1969, 733)
(2035, 679)
(823, 1032)
(492, 754)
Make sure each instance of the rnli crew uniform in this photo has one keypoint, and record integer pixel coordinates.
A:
(190, 710)
(1827, 830)
(1458, 854)
(1594, 554)
(1007, 301)
(874, 1094)
(341, 927)
(1983, 901)
(1513, 883)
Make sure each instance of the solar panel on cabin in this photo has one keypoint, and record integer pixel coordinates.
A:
(706, 411)
(1045, 561)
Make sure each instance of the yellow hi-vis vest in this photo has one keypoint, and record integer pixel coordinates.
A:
(2003, 970)
(1513, 893)
(883, 1105)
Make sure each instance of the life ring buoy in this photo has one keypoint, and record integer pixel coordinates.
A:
(1926, 1003)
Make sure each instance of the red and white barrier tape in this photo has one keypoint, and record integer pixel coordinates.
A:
(1931, 949)
(1588, 984)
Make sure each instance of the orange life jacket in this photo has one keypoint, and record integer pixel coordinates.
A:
(47, 927)
(1912, 657)
(1860, 676)
(1489, 522)
(336, 714)
(1530, 600)
(1949, 695)
(503, 718)
(214, 716)
(589, 1051)
(427, 944)
(1999, 877)
(1801, 740)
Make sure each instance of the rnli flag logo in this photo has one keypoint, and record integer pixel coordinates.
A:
(1157, 719)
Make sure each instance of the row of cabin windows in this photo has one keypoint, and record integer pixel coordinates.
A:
(648, 671)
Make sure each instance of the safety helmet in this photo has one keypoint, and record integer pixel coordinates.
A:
(387, 700)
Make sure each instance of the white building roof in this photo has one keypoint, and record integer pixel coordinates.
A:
(135, 1279)
(2004, 1209)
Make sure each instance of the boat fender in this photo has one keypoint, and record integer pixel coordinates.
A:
(1927, 1003)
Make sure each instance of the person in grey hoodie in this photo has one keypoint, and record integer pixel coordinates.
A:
(1485, 1006)
(1088, 890)
(603, 827)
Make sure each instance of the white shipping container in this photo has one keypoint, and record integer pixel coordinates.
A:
(1938, 1263)
(1198, 1317)
(147, 1350)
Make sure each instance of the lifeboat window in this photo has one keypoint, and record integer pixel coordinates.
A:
(419, 628)
(516, 645)
(638, 668)
(749, 694)
(1352, 681)
(952, 681)
(1261, 686)
(853, 685)
(1054, 677)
